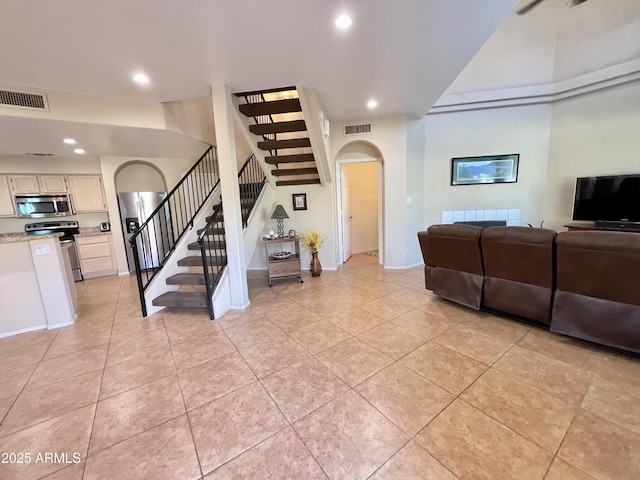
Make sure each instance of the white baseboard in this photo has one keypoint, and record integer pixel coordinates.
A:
(22, 330)
(61, 324)
(407, 267)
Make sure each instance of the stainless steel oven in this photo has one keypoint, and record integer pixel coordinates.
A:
(68, 229)
(41, 206)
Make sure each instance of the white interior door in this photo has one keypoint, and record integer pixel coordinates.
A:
(346, 215)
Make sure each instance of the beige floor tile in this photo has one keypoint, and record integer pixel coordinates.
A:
(392, 340)
(164, 452)
(452, 311)
(66, 366)
(25, 339)
(476, 447)
(44, 403)
(136, 346)
(480, 346)
(5, 405)
(67, 434)
(548, 374)
(235, 318)
(132, 412)
(445, 367)
(531, 412)
(133, 327)
(425, 324)
(386, 308)
(13, 381)
(621, 368)
(210, 380)
(250, 333)
(601, 448)
(413, 462)
(136, 371)
(502, 329)
(282, 456)
(410, 297)
(200, 350)
(329, 306)
(273, 354)
(404, 397)
(230, 425)
(302, 388)
(22, 356)
(358, 296)
(335, 436)
(356, 320)
(380, 288)
(354, 361)
(319, 336)
(571, 351)
(561, 470)
(181, 328)
(72, 472)
(614, 401)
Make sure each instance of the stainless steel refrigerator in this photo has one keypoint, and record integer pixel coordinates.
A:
(156, 239)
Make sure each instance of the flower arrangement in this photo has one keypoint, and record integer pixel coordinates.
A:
(312, 241)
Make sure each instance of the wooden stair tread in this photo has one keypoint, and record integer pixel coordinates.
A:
(301, 157)
(278, 127)
(270, 108)
(186, 279)
(196, 261)
(211, 231)
(294, 171)
(309, 181)
(214, 245)
(281, 144)
(181, 299)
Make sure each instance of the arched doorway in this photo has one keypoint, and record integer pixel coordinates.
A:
(360, 199)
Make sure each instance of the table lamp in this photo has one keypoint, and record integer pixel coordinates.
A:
(279, 214)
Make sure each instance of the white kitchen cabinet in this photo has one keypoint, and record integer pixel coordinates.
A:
(96, 254)
(52, 184)
(24, 184)
(87, 193)
(6, 198)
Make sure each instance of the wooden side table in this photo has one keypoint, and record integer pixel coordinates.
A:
(283, 267)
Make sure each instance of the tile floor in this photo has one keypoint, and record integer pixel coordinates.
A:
(360, 373)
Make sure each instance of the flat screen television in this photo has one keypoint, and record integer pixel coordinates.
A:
(608, 198)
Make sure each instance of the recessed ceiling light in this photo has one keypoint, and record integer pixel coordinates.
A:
(372, 103)
(69, 141)
(343, 21)
(141, 79)
(79, 151)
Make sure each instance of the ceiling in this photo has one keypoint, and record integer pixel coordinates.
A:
(404, 54)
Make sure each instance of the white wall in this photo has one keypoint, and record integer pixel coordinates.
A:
(363, 181)
(595, 134)
(172, 168)
(389, 136)
(524, 130)
(139, 177)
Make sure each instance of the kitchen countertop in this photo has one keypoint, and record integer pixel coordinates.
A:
(23, 237)
(91, 231)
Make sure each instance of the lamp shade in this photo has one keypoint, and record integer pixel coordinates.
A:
(279, 212)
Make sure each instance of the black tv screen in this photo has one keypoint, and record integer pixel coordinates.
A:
(614, 198)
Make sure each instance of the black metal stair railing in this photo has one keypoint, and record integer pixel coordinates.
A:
(251, 179)
(155, 240)
(213, 248)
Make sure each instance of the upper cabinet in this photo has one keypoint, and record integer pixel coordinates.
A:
(87, 193)
(52, 184)
(35, 184)
(6, 199)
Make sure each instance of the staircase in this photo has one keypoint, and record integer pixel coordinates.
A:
(280, 124)
(209, 258)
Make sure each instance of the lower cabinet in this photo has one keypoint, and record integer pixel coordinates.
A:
(96, 254)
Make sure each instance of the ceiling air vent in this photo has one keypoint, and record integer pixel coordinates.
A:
(357, 129)
(35, 101)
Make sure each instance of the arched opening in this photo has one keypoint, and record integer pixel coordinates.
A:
(360, 200)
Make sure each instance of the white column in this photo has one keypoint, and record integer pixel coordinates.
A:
(226, 146)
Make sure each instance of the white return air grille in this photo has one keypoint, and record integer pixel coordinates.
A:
(31, 101)
(357, 129)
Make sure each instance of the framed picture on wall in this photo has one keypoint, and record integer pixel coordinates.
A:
(299, 201)
(487, 169)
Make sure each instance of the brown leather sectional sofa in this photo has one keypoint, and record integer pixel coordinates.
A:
(582, 284)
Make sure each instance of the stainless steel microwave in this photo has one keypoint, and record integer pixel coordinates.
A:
(41, 206)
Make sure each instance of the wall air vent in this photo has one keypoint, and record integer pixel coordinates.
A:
(36, 154)
(28, 100)
(357, 129)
